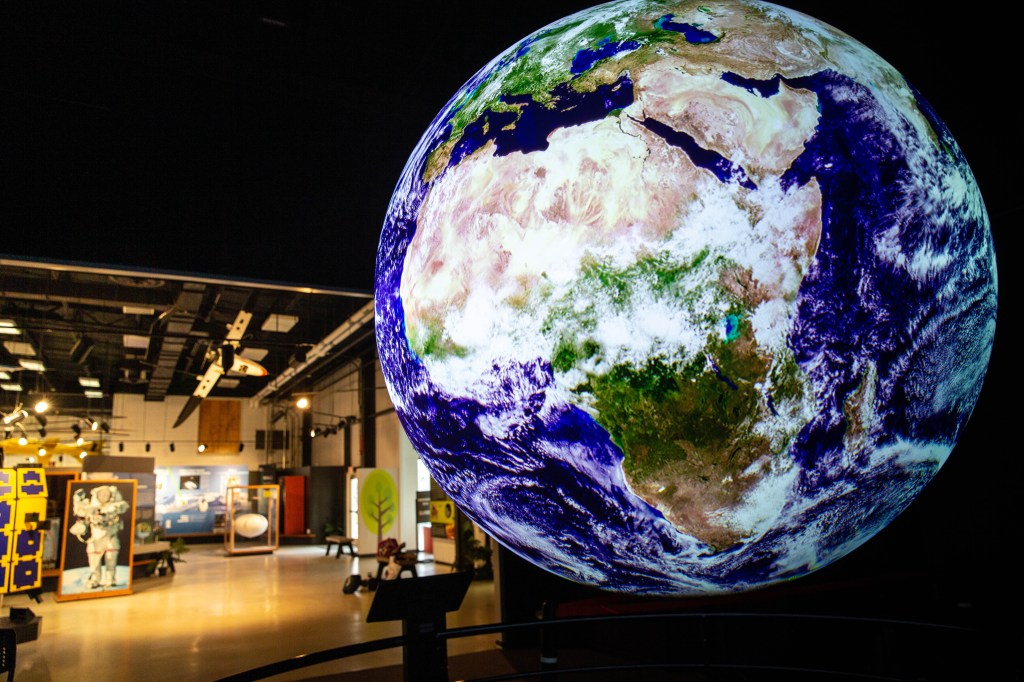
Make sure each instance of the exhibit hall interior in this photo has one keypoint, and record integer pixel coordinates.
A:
(621, 340)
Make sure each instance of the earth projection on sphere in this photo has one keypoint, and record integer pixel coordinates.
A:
(685, 298)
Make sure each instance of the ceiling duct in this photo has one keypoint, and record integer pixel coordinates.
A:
(346, 329)
(177, 326)
(82, 349)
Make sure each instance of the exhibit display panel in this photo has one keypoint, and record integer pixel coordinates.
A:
(192, 500)
(685, 298)
(22, 512)
(378, 507)
(96, 558)
(145, 500)
(252, 519)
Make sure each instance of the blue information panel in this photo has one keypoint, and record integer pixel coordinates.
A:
(22, 511)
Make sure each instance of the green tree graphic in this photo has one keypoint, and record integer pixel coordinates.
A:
(378, 502)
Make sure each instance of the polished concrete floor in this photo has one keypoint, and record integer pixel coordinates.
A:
(221, 615)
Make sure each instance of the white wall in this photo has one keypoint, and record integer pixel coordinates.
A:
(142, 422)
(337, 396)
(395, 451)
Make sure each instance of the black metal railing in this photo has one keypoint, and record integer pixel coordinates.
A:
(940, 637)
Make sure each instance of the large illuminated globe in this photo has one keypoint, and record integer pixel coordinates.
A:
(685, 298)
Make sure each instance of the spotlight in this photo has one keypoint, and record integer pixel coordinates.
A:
(77, 430)
(202, 447)
(93, 424)
(79, 441)
(23, 441)
(313, 433)
(41, 418)
(42, 452)
(31, 460)
(147, 447)
(105, 426)
(120, 447)
(302, 403)
(241, 446)
(42, 433)
(83, 454)
(172, 447)
(42, 406)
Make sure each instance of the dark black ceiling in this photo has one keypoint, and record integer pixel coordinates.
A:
(79, 322)
(263, 139)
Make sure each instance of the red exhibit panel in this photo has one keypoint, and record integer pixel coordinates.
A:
(294, 488)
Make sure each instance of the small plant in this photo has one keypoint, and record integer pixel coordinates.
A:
(334, 527)
(476, 555)
(178, 547)
(166, 559)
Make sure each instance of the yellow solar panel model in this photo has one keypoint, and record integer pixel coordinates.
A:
(22, 511)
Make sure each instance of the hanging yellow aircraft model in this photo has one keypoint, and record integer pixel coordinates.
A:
(43, 447)
(51, 446)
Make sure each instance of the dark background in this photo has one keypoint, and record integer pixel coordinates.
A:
(263, 140)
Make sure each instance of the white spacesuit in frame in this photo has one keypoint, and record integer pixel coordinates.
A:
(97, 523)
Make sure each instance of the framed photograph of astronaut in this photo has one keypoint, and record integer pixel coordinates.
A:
(96, 560)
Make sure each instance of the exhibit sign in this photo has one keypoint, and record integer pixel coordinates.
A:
(22, 510)
(378, 507)
(192, 499)
(97, 556)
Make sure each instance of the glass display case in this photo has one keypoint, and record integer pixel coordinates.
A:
(252, 519)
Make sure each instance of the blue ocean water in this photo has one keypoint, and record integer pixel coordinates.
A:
(693, 34)
(534, 122)
(586, 58)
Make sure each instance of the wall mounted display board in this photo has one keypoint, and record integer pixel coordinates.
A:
(191, 500)
(97, 553)
(220, 426)
(22, 509)
(252, 519)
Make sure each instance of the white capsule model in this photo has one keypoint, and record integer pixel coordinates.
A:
(251, 525)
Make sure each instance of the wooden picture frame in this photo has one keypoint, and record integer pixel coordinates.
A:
(96, 557)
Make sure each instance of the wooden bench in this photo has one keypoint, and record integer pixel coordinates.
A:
(341, 542)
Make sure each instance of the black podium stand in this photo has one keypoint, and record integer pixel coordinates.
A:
(421, 605)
